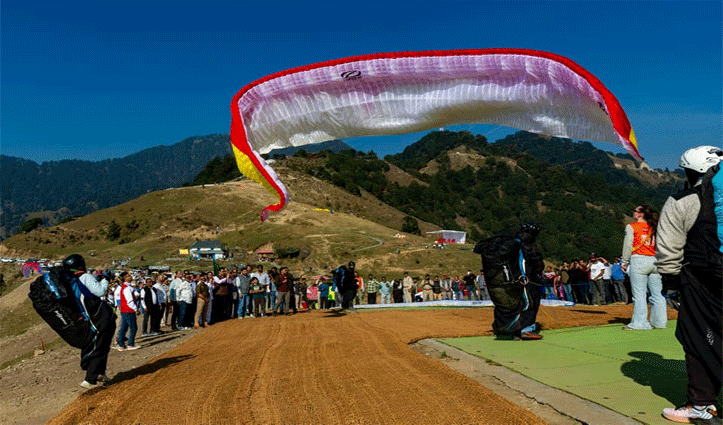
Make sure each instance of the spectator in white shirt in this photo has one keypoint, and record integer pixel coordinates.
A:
(184, 299)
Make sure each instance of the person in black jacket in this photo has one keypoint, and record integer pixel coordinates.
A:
(91, 296)
(513, 268)
(348, 285)
(151, 308)
(690, 261)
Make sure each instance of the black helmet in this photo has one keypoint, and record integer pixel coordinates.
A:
(530, 228)
(528, 232)
(74, 263)
(351, 264)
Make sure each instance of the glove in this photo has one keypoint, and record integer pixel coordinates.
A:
(670, 282)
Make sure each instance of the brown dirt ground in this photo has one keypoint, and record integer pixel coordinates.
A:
(313, 367)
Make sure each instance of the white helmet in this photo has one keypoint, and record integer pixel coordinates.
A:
(700, 159)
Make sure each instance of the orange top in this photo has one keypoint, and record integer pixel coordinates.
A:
(643, 243)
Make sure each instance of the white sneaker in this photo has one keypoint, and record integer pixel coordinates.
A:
(133, 347)
(88, 386)
(692, 414)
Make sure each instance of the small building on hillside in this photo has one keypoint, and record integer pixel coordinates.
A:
(208, 250)
(265, 253)
(449, 236)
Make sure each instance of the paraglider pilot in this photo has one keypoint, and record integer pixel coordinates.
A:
(348, 285)
(513, 266)
(690, 262)
(90, 295)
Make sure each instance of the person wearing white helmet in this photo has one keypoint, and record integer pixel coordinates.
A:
(689, 260)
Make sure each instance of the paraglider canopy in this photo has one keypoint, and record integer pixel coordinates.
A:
(396, 93)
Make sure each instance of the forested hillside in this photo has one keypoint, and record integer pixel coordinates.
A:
(572, 189)
(73, 187)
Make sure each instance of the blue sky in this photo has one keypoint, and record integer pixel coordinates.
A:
(101, 79)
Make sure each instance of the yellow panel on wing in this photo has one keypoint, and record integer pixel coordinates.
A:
(632, 139)
(248, 169)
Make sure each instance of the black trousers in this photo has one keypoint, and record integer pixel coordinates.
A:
(516, 306)
(94, 355)
(156, 316)
(699, 329)
(219, 308)
(174, 314)
(372, 298)
(347, 298)
(533, 294)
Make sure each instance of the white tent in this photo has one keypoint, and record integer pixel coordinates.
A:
(450, 236)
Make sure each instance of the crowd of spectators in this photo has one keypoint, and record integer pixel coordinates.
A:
(188, 299)
(595, 281)
(191, 300)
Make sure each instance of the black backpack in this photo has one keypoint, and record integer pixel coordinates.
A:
(501, 256)
(53, 299)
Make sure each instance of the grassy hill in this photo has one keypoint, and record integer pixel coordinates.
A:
(156, 225)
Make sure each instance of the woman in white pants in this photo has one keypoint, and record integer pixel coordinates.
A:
(639, 255)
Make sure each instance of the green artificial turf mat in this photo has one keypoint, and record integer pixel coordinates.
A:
(636, 373)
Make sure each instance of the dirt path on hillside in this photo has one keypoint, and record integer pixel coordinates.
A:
(317, 367)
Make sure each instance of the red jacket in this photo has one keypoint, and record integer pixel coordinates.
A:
(128, 300)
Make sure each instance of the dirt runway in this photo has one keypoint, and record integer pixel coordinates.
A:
(317, 368)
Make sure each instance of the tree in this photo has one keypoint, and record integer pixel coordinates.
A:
(30, 225)
(411, 225)
(113, 231)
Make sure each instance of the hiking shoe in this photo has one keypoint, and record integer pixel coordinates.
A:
(88, 386)
(693, 414)
(529, 336)
(133, 347)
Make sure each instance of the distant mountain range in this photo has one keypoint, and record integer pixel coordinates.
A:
(57, 189)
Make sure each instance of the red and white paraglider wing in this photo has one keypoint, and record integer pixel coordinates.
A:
(400, 93)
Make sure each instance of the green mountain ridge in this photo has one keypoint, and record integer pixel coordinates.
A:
(581, 196)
